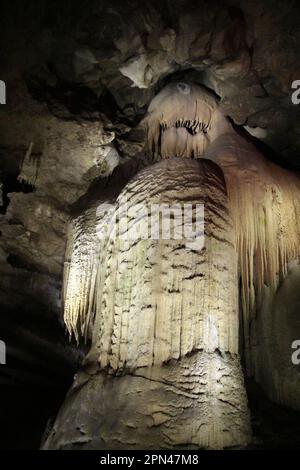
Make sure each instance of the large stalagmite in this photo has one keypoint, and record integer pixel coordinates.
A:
(163, 370)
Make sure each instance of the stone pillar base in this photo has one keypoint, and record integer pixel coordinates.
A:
(197, 402)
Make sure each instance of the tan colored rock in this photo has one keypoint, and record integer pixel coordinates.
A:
(165, 327)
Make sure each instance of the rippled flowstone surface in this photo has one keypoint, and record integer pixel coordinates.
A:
(164, 358)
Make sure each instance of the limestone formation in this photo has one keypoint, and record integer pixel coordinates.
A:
(165, 326)
(154, 307)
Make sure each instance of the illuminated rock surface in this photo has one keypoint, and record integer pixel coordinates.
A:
(163, 370)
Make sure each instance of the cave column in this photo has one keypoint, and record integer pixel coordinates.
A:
(163, 370)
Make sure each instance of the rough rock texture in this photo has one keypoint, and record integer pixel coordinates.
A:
(196, 402)
(158, 301)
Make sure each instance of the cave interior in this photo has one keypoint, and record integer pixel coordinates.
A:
(80, 76)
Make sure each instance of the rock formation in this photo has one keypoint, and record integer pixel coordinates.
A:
(163, 370)
(159, 307)
(79, 78)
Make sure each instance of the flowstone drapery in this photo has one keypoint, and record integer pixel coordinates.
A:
(164, 368)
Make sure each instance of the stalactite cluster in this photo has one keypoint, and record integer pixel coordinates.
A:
(30, 166)
(179, 120)
(264, 202)
(84, 253)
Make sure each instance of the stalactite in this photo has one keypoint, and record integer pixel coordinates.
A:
(30, 166)
(265, 205)
(83, 255)
(178, 121)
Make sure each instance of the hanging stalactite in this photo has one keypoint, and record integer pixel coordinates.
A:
(83, 256)
(265, 206)
(30, 166)
(181, 121)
